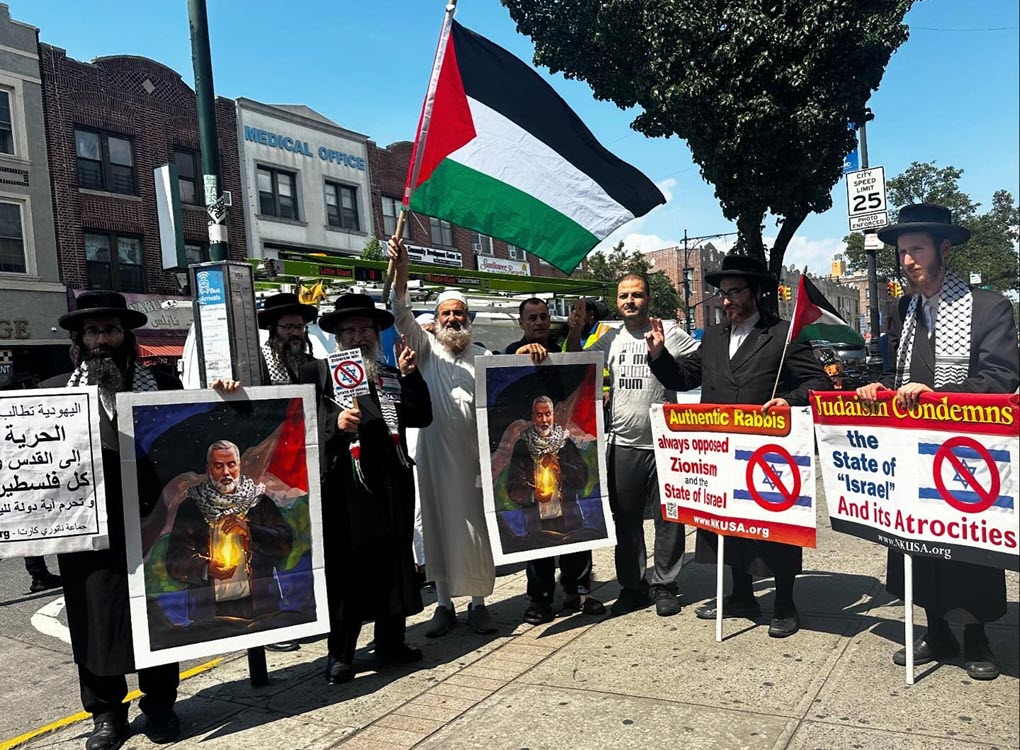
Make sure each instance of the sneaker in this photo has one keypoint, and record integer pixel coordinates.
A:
(442, 620)
(480, 620)
(629, 601)
(45, 582)
(538, 613)
(107, 735)
(162, 731)
(666, 603)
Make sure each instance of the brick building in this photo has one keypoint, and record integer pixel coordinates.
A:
(109, 124)
(696, 261)
(434, 241)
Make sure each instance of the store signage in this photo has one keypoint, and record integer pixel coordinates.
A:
(435, 256)
(297, 146)
(503, 265)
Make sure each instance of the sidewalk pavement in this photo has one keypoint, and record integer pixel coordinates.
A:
(637, 681)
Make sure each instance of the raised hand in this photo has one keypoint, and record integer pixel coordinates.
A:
(407, 361)
(655, 339)
(576, 318)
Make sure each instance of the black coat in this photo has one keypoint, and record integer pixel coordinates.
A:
(367, 534)
(95, 583)
(746, 379)
(942, 585)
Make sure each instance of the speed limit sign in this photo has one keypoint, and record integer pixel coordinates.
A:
(865, 195)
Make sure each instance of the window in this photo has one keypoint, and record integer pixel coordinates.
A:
(481, 244)
(441, 232)
(105, 161)
(12, 241)
(277, 193)
(113, 262)
(6, 130)
(196, 252)
(342, 206)
(188, 176)
(516, 253)
(390, 214)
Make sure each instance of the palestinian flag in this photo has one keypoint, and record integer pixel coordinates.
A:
(499, 151)
(815, 318)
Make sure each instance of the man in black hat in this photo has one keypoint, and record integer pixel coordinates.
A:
(95, 583)
(946, 337)
(738, 363)
(368, 490)
(288, 348)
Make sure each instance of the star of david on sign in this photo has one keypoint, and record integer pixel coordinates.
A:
(958, 477)
(779, 475)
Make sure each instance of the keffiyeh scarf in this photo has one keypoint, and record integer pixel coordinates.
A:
(388, 407)
(952, 338)
(142, 381)
(214, 505)
(278, 373)
(551, 444)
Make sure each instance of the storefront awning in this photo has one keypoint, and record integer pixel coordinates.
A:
(160, 348)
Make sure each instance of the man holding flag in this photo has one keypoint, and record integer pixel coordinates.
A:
(749, 359)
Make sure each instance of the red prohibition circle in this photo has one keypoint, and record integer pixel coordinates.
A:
(758, 459)
(358, 374)
(945, 453)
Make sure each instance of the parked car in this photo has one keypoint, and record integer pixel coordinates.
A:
(854, 358)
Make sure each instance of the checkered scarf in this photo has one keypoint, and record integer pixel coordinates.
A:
(388, 407)
(278, 373)
(213, 505)
(142, 381)
(952, 337)
(538, 445)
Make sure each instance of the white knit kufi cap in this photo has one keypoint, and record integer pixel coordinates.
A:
(451, 294)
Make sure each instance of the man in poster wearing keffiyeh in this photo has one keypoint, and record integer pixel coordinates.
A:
(951, 338)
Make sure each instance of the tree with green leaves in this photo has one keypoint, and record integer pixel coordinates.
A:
(762, 92)
(373, 250)
(618, 263)
(991, 250)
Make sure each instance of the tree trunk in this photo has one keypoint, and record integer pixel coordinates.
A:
(749, 239)
(790, 226)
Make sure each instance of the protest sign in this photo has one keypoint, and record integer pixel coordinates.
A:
(224, 546)
(347, 371)
(542, 447)
(938, 480)
(734, 471)
(52, 493)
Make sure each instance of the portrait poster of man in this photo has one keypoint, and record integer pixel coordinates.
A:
(225, 543)
(542, 447)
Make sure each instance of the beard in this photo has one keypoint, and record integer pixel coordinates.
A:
(293, 351)
(225, 485)
(108, 366)
(453, 339)
(544, 430)
(370, 355)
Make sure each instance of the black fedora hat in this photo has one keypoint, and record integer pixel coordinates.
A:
(924, 217)
(284, 303)
(742, 266)
(354, 305)
(97, 303)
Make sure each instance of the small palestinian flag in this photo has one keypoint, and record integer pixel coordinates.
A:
(499, 151)
(814, 318)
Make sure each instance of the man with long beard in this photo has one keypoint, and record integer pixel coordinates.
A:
(368, 490)
(288, 348)
(95, 583)
(453, 515)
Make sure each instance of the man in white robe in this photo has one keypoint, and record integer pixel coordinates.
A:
(449, 470)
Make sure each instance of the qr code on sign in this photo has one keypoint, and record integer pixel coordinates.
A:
(671, 511)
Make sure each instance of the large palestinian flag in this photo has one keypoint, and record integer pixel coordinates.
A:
(499, 151)
(815, 318)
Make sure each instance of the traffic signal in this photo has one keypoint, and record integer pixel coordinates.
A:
(899, 289)
(890, 288)
(785, 293)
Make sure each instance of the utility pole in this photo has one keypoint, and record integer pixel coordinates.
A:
(688, 318)
(207, 134)
(873, 305)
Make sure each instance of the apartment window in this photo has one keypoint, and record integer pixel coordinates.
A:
(516, 253)
(441, 232)
(189, 176)
(12, 240)
(342, 206)
(277, 193)
(105, 161)
(390, 215)
(6, 129)
(113, 262)
(481, 244)
(196, 252)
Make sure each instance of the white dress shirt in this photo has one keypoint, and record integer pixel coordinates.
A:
(739, 333)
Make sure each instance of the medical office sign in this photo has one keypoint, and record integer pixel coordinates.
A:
(298, 146)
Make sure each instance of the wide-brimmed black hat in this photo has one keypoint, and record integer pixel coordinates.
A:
(925, 217)
(354, 305)
(742, 266)
(284, 303)
(97, 303)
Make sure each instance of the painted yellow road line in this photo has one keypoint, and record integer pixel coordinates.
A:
(82, 715)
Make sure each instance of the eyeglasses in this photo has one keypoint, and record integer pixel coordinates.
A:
(361, 331)
(293, 327)
(94, 333)
(731, 293)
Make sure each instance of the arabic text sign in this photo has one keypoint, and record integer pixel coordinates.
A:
(938, 480)
(734, 471)
(52, 497)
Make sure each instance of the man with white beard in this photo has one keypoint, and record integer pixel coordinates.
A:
(453, 514)
(288, 348)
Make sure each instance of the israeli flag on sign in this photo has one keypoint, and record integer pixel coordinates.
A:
(776, 479)
(965, 474)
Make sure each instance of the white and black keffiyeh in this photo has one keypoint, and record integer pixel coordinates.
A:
(952, 338)
(388, 407)
(214, 505)
(278, 373)
(548, 445)
(142, 381)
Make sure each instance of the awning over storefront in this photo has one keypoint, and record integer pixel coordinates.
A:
(160, 348)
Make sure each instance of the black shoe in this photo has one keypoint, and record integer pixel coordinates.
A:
(629, 601)
(164, 730)
(45, 582)
(402, 654)
(107, 735)
(937, 644)
(748, 609)
(338, 671)
(666, 603)
(786, 625)
(282, 646)
(590, 606)
(538, 613)
(978, 658)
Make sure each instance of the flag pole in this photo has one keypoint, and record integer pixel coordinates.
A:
(720, 557)
(908, 603)
(421, 136)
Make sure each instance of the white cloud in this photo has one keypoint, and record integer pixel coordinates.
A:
(666, 186)
(815, 254)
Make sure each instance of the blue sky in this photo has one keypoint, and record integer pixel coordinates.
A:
(950, 94)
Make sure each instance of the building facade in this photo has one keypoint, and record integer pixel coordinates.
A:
(691, 264)
(109, 124)
(31, 295)
(306, 182)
